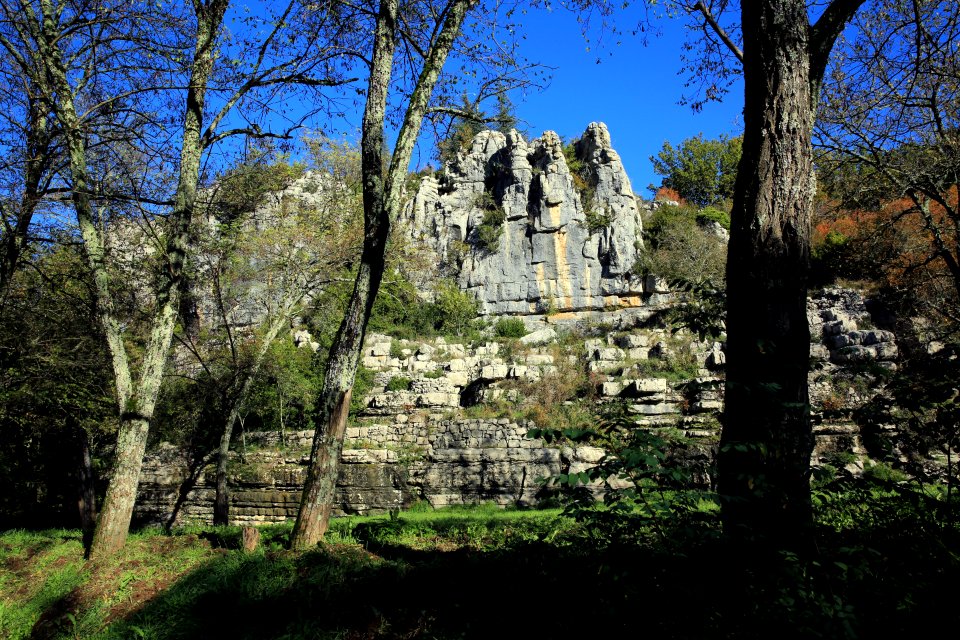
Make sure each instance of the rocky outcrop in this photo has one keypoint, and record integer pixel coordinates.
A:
(562, 239)
(447, 423)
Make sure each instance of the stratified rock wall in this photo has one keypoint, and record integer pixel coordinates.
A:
(568, 241)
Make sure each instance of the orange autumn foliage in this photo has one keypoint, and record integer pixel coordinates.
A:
(895, 244)
(666, 193)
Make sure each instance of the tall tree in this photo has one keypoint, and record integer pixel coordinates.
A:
(781, 48)
(429, 30)
(298, 249)
(701, 171)
(767, 439)
(83, 49)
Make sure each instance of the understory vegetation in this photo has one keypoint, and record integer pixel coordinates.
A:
(885, 563)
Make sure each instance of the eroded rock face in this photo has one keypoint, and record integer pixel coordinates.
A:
(568, 240)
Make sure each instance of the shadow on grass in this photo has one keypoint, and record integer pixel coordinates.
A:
(891, 574)
(343, 591)
(540, 590)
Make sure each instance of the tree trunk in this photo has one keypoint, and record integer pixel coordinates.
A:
(221, 504)
(117, 511)
(381, 204)
(115, 517)
(767, 439)
(86, 489)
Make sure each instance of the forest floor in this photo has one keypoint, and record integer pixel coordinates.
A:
(885, 564)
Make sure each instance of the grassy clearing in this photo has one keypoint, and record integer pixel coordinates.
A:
(886, 565)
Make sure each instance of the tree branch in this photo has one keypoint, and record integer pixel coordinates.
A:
(825, 32)
(717, 29)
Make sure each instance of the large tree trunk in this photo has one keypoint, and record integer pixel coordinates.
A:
(138, 405)
(117, 510)
(764, 459)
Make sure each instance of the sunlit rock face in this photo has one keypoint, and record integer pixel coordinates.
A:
(568, 236)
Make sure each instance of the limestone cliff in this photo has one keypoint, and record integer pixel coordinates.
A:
(568, 238)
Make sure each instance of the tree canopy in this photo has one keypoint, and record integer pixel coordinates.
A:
(701, 171)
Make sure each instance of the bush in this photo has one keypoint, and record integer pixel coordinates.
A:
(242, 189)
(399, 383)
(491, 228)
(456, 308)
(882, 472)
(361, 387)
(679, 249)
(510, 328)
(711, 214)
(596, 220)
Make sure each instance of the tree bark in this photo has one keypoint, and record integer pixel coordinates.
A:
(86, 490)
(334, 402)
(381, 204)
(767, 439)
(137, 410)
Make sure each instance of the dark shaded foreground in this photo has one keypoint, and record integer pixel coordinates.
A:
(540, 590)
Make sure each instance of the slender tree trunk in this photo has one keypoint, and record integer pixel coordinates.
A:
(86, 489)
(114, 521)
(221, 505)
(183, 491)
(381, 203)
(767, 439)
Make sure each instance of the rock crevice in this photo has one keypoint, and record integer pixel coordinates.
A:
(569, 238)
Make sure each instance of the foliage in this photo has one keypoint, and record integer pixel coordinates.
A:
(711, 214)
(889, 150)
(399, 383)
(700, 171)
(562, 398)
(456, 309)
(362, 383)
(701, 309)
(680, 249)
(491, 227)
(240, 190)
(282, 395)
(885, 564)
(596, 220)
(55, 390)
(510, 328)
(461, 131)
(636, 482)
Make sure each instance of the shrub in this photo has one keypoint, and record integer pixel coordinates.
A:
(596, 220)
(361, 387)
(510, 328)
(882, 472)
(244, 188)
(399, 383)
(678, 249)
(456, 308)
(491, 228)
(710, 214)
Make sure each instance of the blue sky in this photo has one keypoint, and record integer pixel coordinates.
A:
(634, 89)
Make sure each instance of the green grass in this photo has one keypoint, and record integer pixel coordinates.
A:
(887, 563)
